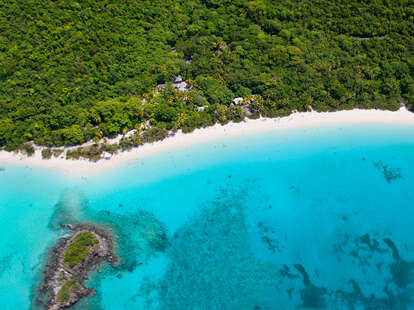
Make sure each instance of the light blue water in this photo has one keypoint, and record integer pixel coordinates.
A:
(314, 218)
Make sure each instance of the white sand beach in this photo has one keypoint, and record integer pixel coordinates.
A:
(180, 140)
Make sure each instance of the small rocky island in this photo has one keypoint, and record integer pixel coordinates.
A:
(70, 262)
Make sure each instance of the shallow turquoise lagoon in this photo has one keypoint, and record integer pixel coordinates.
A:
(319, 218)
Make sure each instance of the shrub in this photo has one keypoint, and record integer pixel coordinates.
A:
(64, 292)
(46, 153)
(57, 152)
(79, 249)
(28, 149)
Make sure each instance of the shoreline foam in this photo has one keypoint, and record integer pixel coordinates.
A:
(216, 132)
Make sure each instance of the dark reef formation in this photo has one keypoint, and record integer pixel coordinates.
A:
(211, 265)
(69, 264)
(268, 237)
(402, 271)
(397, 292)
(390, 174)
(138, 235)
(312, 296)
(210, 262)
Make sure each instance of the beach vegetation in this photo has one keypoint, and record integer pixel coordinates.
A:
(79, 248)
(27, 148)
(46, 153)
(57, 152)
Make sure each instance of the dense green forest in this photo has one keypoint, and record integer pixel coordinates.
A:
(76, 71)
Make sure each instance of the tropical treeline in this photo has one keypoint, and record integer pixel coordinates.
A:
(72, 71)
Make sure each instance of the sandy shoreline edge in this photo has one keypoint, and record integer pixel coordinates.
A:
(180, 140)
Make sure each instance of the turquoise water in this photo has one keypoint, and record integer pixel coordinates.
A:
(316, 218)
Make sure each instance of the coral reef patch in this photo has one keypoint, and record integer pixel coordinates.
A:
(211, 263)
(390, 174)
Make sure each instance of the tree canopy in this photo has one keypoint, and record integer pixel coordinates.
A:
(75, 71)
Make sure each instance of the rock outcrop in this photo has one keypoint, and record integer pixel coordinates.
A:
(69, 264)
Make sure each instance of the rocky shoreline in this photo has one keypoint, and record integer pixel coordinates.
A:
(70, 263)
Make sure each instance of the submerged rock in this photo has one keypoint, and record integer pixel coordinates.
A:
(390, 174)
(313, 297)
(402, 271)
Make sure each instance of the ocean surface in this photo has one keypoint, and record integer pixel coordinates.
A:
(317, 218)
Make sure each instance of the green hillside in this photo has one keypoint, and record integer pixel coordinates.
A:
(75, 71)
